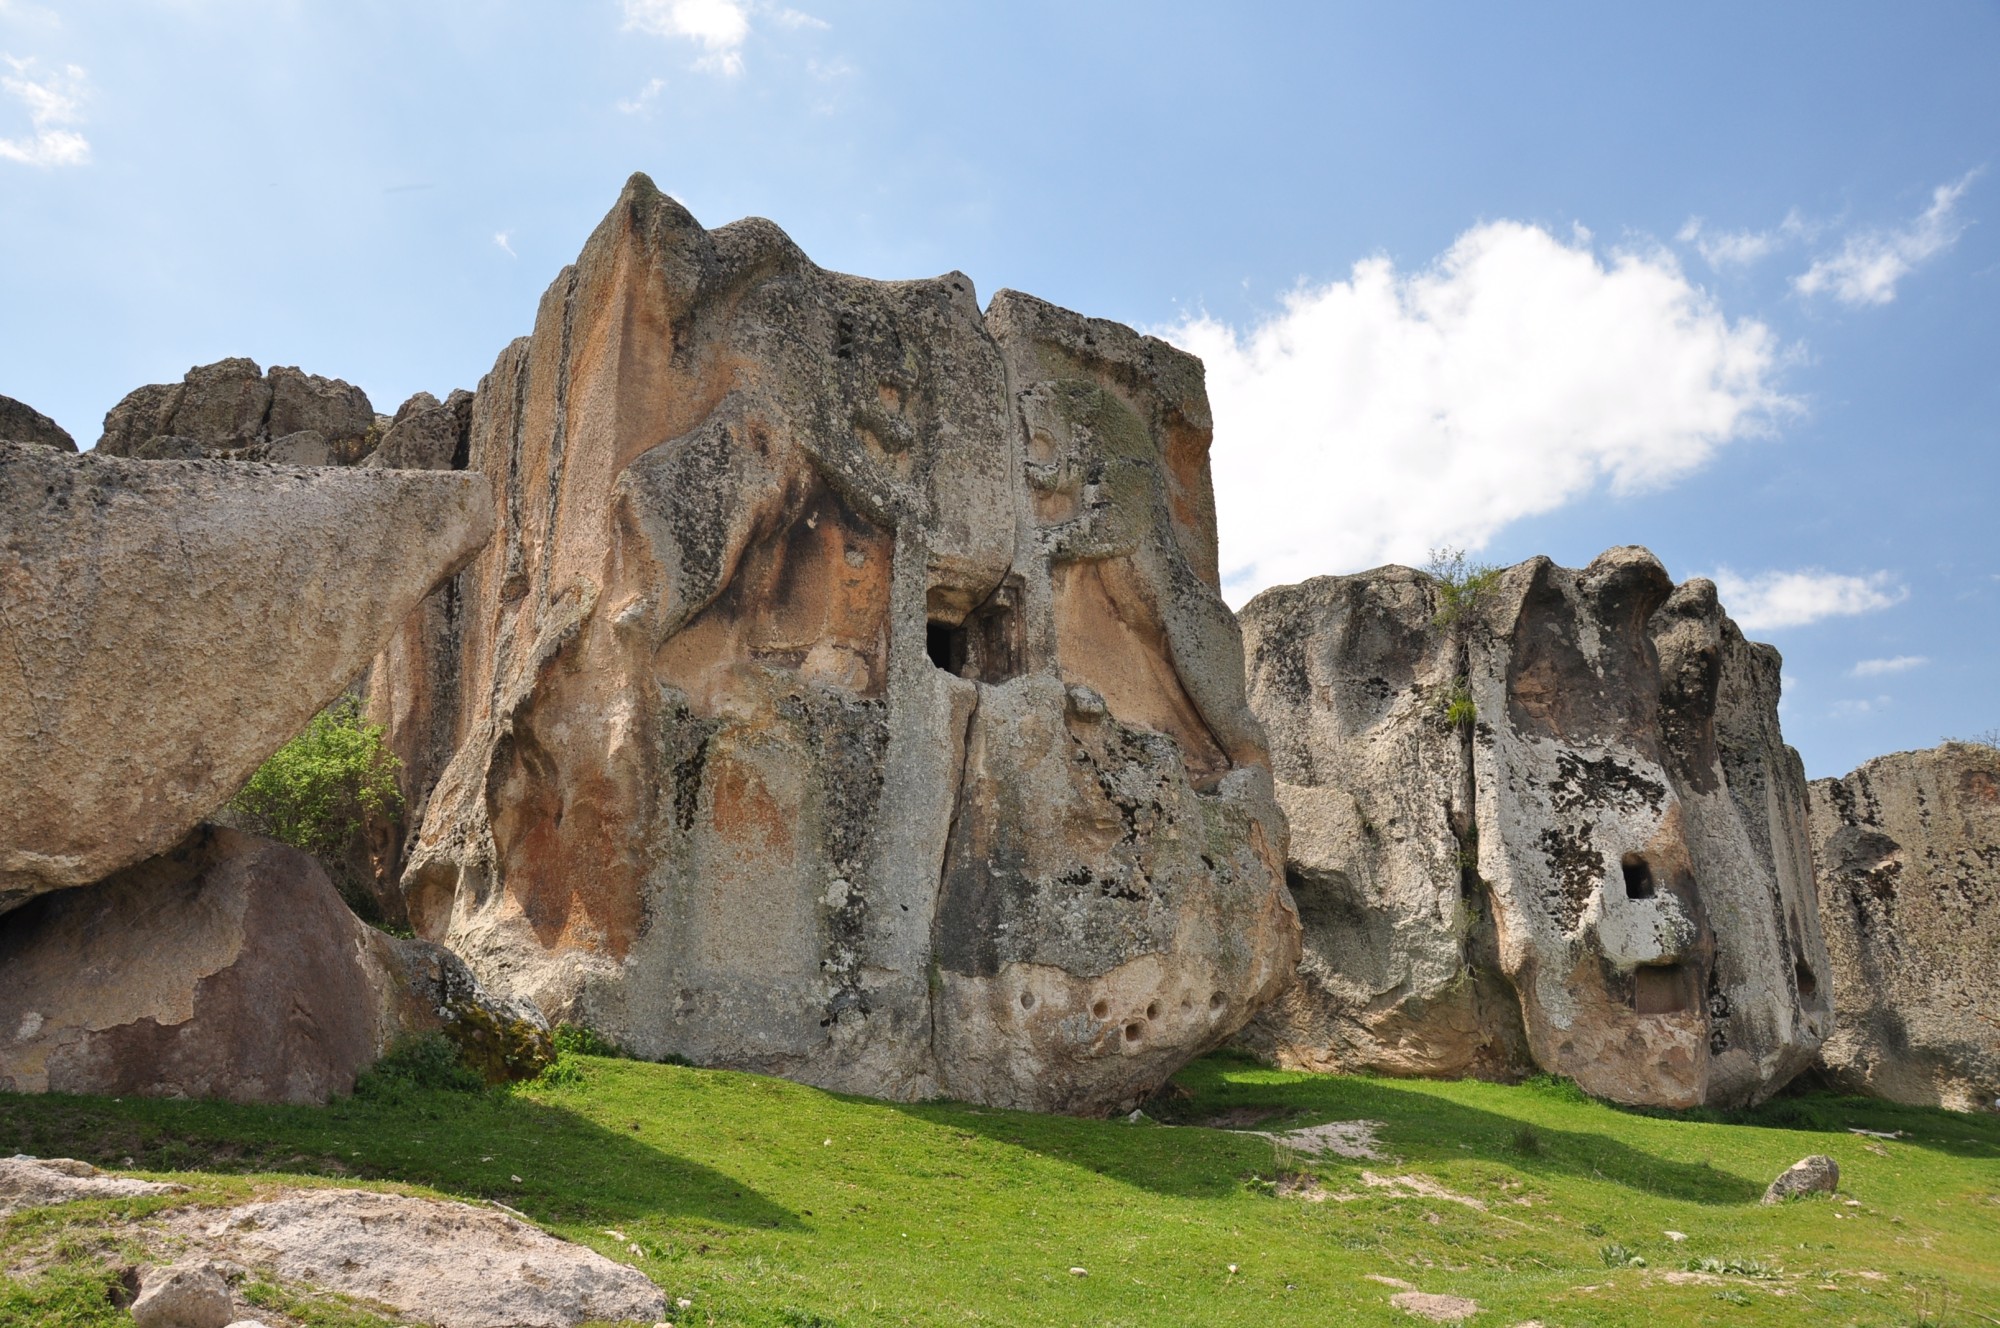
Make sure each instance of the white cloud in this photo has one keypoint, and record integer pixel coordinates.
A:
(1855, 709)
(1795, 599)
(1723, 249)
(1875, 668)
(53, 101)
(503, 239)
(793, 18)
(1382, 416)
(719, 27)
(1870, 263)
(647, 96)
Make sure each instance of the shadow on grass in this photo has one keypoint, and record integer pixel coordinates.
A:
(471, 1145)
(1422, 1128)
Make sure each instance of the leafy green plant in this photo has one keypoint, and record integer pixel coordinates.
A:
(1460, 583)
(419, 1063)
(1615, 1255)
(1460, 711)
(316, 790)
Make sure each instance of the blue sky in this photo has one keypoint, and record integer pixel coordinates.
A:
(1718, 279)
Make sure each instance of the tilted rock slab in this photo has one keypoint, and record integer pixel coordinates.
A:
(22, 423)
(436, 1262)
(34, 1182)
(1908, 851)
(229, 967)
(847, 694)
(1604, 873)
(166, 626)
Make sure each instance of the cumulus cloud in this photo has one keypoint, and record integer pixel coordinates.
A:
(1795, 599)
(794, 18)
(53, 100)
(1725, 249)
(1876, 668)
(1376, 418)
(646, 97)
(1870, 263)
(719, 27)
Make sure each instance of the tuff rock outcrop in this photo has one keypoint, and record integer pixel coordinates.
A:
(1553, 825)
(228, 967)
(22, 423)
(1908, 855)
(232, 410)
(847, 694)
(167, 626)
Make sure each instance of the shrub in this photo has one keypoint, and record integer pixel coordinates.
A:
(1459, 583)
(316, 790)
(1460, 712)
(422, 1062)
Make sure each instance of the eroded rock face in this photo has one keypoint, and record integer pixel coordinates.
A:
(168, 626)
(1560, 831)
(232, 409)
(827, 708)
(228, 967)
(22, 423)
(1908, 852)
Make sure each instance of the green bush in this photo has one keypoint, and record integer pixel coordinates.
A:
(420, 1063)
(1459, 583)
(316, 790)
(1460, 711)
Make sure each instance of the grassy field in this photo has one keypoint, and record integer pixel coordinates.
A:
(763, 1202)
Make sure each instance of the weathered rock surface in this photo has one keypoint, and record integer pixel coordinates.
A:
(1908, 853)
(191, 1295)
(1597, 866)
(436, 1262)
(1817, 1174)
(427, 434)
(229, 967)
(847, 694)
(234, 410)
(22, 423)
(167, 626)
(33, 1182)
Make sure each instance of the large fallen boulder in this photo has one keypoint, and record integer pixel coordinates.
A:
(1540, 820)
(1908, 852)
(22, 423)
(168, 626)
(233, 410)
(847, 694)
(229, 967)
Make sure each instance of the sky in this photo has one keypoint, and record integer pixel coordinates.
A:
(1717, 279)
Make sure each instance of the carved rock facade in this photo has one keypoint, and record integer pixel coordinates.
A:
(1560, 830)
(846, 694)
(1908, 850)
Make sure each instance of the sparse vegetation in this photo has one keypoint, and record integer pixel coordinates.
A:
(317, 790)
(1460, 711)
(769, 1203)
(1989, 738)
(1460, 583)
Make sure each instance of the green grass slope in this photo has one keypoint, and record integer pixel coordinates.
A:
(763, 1202)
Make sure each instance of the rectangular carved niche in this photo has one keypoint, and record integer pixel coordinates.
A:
(985, 645)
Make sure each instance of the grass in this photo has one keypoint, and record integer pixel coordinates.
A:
(764, 1202)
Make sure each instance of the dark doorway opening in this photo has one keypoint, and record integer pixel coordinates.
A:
(1662, 989)
(1638, 877)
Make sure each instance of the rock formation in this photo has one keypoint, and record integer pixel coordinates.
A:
(228, 967)
(167, 626)
(1908, 852)
(22, 423)
(1550, 825)
(233, 410)
(847, 694)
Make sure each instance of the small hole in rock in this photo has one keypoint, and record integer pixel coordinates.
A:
(1027, 1000)
(1099, 1008)
(945, 644)
(1808, 984)
(1638, 876)
(1133, 1030)
(1153, 1010)
(1217, 1001)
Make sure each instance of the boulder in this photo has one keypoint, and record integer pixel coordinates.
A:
(1908, 854)
(169, 625)
(192, 1295)
(230, 968)
(1553, 827)
(22, 423)
(233, 409)
(847, 694)
(1818, 1174)
(427, 434)
(432, 1261)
